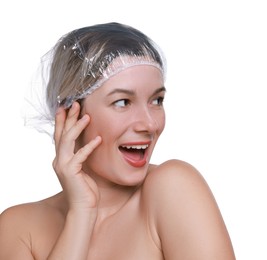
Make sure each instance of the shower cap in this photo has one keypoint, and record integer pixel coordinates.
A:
(80, 62)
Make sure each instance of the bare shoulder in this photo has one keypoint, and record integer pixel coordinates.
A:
(173, 175)
(20, 225)
(174, 186)
(174, 183)
(24, 213)
(183, 213)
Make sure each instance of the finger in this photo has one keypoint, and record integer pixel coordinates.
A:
(78, 127)
(59, 125)
(67, 140)
(72, 117)
(67, 122)
(86, 150)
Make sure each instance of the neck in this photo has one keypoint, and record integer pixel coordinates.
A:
(112, 199)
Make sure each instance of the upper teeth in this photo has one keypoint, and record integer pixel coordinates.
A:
(135, 146)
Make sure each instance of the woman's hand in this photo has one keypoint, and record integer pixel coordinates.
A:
(80, 189)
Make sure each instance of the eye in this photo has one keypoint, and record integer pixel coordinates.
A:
(121, 103)
(158, 101)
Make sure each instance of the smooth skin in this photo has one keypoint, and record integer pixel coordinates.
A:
(108, 208)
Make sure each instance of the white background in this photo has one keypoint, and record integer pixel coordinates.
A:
(216, 101)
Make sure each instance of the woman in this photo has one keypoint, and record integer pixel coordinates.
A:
(106, 91)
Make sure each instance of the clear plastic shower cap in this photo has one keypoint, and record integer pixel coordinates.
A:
(82, 61)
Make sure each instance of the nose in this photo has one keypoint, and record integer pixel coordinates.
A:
(148, 120)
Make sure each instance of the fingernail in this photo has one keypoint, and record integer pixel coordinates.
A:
(74, 105)
(98, 138)
(85, 117)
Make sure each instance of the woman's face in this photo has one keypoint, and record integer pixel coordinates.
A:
(127, 112)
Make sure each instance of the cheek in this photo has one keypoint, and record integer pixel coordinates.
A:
(98, 120)
(161, 120)
(99, 125)
(90, 132)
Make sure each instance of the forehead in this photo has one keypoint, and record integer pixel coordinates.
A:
(141, 81)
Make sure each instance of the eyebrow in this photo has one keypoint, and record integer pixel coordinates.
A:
(131, 92)
(162, 89)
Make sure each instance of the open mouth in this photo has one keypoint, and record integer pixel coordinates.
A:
(134, 154)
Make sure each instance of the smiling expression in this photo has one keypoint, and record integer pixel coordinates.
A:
(127, 112)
